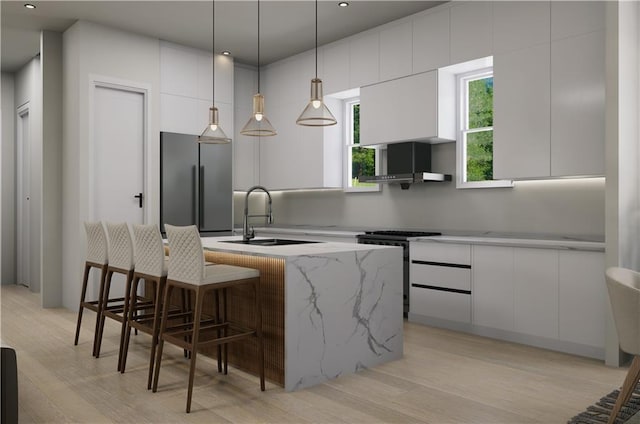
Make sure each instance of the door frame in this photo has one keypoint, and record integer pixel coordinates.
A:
(23, 218)
(102, 81)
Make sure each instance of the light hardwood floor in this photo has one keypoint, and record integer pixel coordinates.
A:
(444, 377)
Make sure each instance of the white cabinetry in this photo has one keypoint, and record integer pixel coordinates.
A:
(431, 40)
(364, 57)
(535, 277)
(493, 288)
(521, 134)
(399, 110)
(471, 30)
(298, 157)
(440, 282)
(546, 297)
(396, 50)
(335, 75)
(577, 105)
(549, 99)
(520, 24)
(583, 297)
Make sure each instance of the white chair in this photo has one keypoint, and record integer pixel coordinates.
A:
(187, 270)
(121, 262)
(624, 295)
(96, 257)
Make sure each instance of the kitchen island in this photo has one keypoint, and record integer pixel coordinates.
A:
(329, 308)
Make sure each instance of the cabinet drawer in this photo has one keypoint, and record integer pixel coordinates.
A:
(441, 304)
(441, 276)
(441, 252)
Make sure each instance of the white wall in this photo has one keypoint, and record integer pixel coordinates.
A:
(28, 88)
(7, 182)
(90, 50)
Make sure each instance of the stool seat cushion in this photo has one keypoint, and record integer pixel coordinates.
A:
(220, 273)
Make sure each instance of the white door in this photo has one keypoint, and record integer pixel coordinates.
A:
(118, 159)
(24, 187)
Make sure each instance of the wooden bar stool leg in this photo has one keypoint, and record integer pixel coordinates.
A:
(163, 327)
(103, 306)
(224, 330)
(216, 294)
(158, 288)
(125, 316)
(194, 344)
(630, 383)
(97, 337)
(83, 295)
(129, 318)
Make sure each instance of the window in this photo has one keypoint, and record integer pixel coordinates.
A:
(358, 160)
(475, 139)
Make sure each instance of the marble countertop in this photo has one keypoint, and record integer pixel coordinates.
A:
(556, 241)
(285, 251)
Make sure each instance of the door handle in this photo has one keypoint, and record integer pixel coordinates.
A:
(139, 197)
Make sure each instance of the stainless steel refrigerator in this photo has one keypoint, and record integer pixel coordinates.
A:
(195, 184)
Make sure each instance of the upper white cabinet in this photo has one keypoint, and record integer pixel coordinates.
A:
(521, 134)
(399, 110)
(578, 105)
(520, 24)
(396, 50)
(335, 75)
(246, 150)
(576, 17)
(471, 30)
(431, 40)
(364, 58)
(297, 157)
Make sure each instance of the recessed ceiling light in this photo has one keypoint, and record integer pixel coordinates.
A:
(30, 6)
(343, 4)
(226, 52)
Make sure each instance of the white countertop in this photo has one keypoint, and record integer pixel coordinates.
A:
(549, 243)
(284, 251)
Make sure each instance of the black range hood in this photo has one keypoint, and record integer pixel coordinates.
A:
(407, 163)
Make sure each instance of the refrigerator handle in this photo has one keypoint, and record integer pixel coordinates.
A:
(201, 197)
(195, 194)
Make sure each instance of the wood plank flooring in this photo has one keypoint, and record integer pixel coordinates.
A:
(444, 377)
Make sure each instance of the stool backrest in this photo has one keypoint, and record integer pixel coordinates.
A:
(186, 257)
(624, 295)
(97, 251)
(120, 245)
(148, 250)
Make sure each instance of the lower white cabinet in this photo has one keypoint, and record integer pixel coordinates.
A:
(552, 298)
(440, 282)
(556, 296)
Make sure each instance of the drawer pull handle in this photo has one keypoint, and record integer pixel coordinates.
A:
(415, 261)
(424, 286)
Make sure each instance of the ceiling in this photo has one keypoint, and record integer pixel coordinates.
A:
(286, 27)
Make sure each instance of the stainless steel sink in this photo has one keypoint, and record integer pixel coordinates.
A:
(269, 242)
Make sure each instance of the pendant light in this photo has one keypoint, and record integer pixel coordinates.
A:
(316, 114)
(258, 125)
(213, 133)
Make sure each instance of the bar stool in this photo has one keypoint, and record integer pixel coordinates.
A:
(120, 262)
(187, 270)
(96, 257)
(150, 266)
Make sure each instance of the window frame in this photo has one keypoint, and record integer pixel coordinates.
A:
(462, 107)
(347, 147)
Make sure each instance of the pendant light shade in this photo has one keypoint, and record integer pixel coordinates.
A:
(213, 133)
(258, 125)
(316, 114)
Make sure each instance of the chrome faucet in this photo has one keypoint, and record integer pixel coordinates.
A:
(246, 233)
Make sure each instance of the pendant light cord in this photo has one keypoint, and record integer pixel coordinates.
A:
(258, 46)
(316, 39)
(213, 52)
